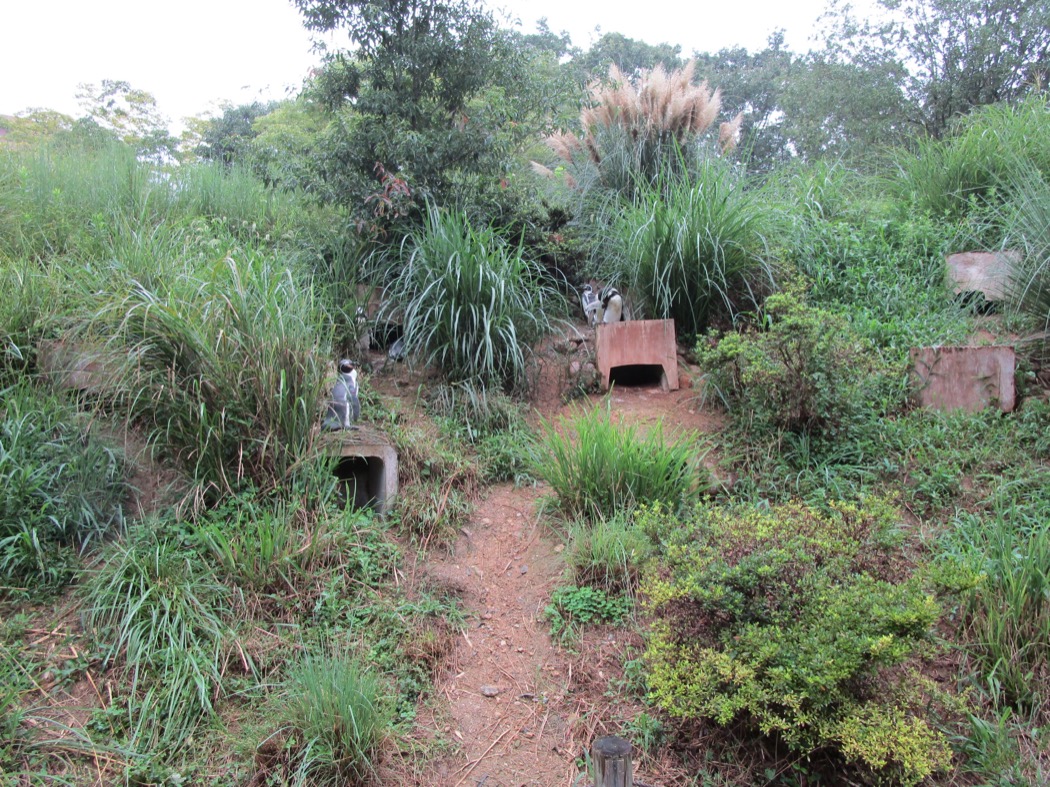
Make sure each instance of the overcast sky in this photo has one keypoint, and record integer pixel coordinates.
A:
(194, 54)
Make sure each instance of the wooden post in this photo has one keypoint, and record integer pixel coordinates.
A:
(612, 762)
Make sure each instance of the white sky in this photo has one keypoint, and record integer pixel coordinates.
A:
(193, 54)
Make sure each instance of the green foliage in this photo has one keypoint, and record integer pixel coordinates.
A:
(796, 622)
(597, 467)
(228, 369)
(691, 247)
(338, 716)
(1025, 217)
(988, 149)
(492, 422)
(472, 305)
(438, 485)
(1007, 615)
(607, 554)
(801, 370)
(63, 487)
(159, 618)
(571, 608)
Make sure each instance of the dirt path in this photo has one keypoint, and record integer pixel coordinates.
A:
(507, 684)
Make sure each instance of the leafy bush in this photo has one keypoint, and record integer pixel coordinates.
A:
(797, 622)
(63, 488)
(692, 247)
(800, 370)
(338, 716)
(597, 467)
(471, 305)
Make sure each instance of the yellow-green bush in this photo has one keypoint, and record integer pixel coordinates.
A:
(798, 622)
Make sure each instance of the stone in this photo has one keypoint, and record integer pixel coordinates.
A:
(490, 691)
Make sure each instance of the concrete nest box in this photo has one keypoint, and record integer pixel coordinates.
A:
(965, 378)
(636, 349)
(986, 272)
(366, 467)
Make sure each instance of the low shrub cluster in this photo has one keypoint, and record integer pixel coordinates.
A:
(800, 369)
(798, 622)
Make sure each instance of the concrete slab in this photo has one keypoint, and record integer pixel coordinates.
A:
(986, 272)
(638, 343)
(965, 378)
(366, 462)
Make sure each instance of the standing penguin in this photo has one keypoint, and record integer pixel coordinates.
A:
(345, 407)
(590, 304)
(612, 303)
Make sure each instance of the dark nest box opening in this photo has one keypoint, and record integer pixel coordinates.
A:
(362, 482)
(637, 376)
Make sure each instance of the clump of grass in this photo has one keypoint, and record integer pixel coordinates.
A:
(62, 487)
(227, 370)
(596, 467)
(607, 554)
(472, 305)
(337, 716)
(159, 619)
(1008, 614)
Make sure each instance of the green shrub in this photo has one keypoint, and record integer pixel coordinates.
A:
(471, 305)
(62, 487)
(596, 467)
(689, 248)
(337, 715)
(798, 623)
(801, 370)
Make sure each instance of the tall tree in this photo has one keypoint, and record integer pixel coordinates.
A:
(957, 54)
(407, 95)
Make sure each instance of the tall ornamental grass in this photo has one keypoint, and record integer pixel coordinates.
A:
(597, 467)
(471, 304)
(692, 247)
(227, 369)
